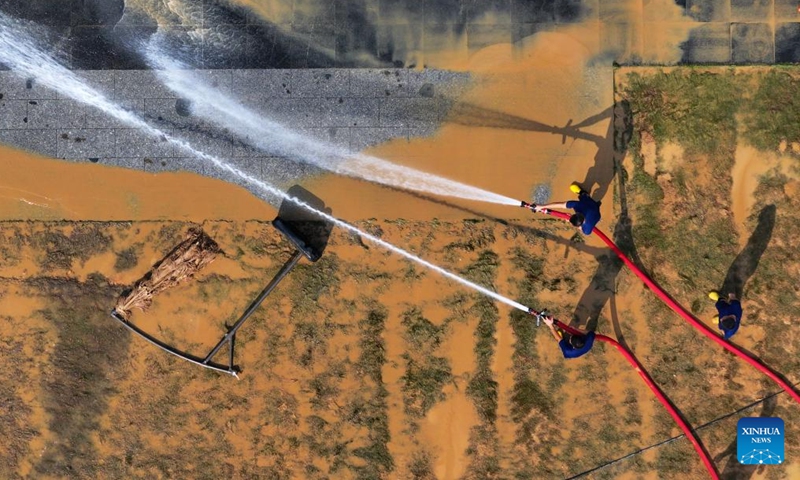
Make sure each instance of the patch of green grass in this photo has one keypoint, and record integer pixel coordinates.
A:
(475, 235)
(311, 282)
(84, 242)
(421, 466)
(484, 269)
(372, 412)
(772, 115)
(86, 361)
(126, 259)
(696, 109)
(422, 383)
(420, 332)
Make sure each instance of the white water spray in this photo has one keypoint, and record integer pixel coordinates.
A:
(19, 52)
(265, 134)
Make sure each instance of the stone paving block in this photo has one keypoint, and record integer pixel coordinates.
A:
(751, 10)
(787, 42)
(99, 80)
(220, 80)
(320, 83)
(250, 84)
(709, 10)
(708, 43)
(786, 10)
(86, 143)
(13, 113)
(752, 43)
(290, 112)
(13, 86)
(43, 142)
(432, 82)
(279, 171)
(170, 113)
(96, 118)
(409, 112)
(209, 142)
(175, 164)
(365, 137)
(56, 114)
(248, 147)
(337, 137)
(132, 163)
(353, 112)
(379, 82)
(422, 131)
(249, 165)
(138, 143)
(140, 84)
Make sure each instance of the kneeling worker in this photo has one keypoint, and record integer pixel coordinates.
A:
(576, 346)
(587, 210)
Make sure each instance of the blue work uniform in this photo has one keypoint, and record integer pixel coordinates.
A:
(571, 352)
(733, 308)
(590, 210)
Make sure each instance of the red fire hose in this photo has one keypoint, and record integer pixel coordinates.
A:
(677, 308)
(687, 430)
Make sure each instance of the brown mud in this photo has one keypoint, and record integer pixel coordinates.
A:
(33, 187)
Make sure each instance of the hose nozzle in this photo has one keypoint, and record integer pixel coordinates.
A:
(525, 204)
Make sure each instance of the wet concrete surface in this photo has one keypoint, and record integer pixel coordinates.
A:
(353, 109)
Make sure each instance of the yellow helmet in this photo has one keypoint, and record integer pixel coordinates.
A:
(575, 188)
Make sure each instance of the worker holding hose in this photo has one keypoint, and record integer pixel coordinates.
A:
(574, 347)
(587, 210)
(729, 313)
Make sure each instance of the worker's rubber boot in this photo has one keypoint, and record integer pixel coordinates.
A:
(713, 295)
(575, 188)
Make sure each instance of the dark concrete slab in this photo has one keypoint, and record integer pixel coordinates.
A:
(86, 143)
(751, 10)
(137, 143)
(13, 114)
(43, 142)
(787, 10)
(47, 113)
(752, 43)
(709, 10)
(12, 86)
(787, 42)
(533, 11)
(708, 43)
(572, 11)
(320, 83)
(481, 36)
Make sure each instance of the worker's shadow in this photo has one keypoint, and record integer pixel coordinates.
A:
(733, 469)
(611, 148)
(745, 264)
(310, 227)
(602, 287)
